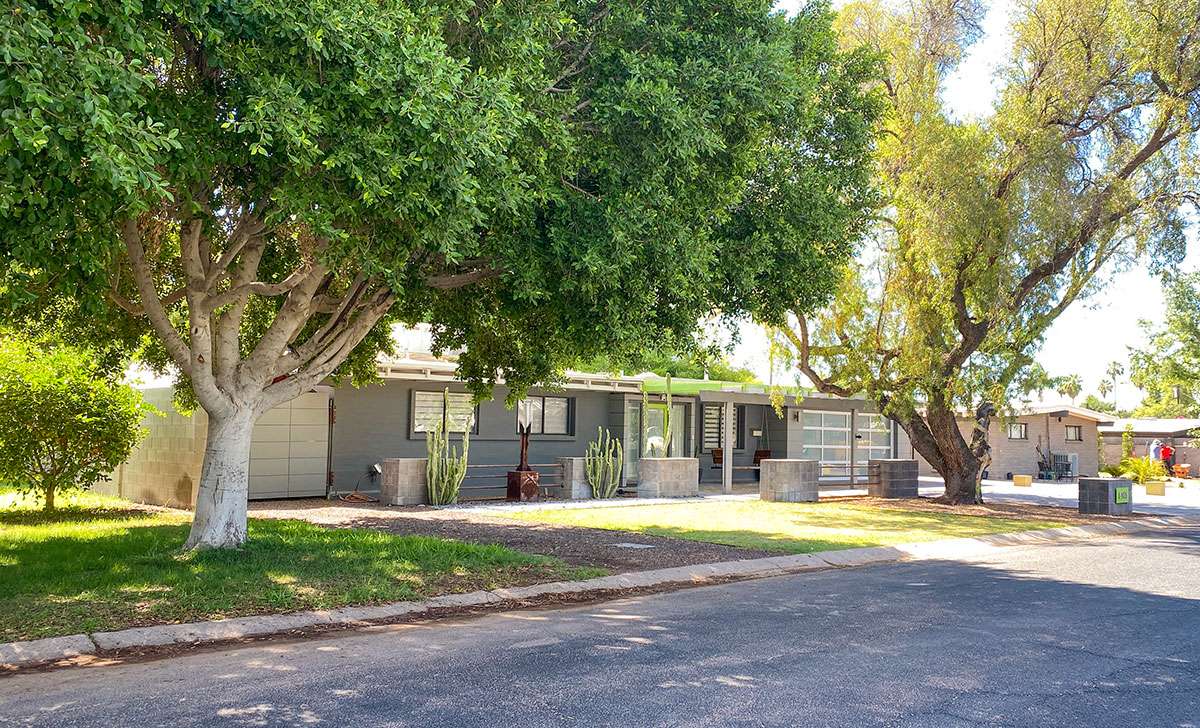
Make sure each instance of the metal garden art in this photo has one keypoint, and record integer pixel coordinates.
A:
(602, 463)
(445, 468)
(523, 482)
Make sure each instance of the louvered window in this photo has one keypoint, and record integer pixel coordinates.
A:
(714, 420)
(429, 408)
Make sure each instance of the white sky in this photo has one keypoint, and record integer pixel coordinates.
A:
(1091, 333)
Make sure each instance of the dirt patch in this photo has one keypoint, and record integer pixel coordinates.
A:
(1018, 511)
(574, 545)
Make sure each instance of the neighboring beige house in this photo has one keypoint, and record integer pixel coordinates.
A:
(1062, 432)
(1173, 432)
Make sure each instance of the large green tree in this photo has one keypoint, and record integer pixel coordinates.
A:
(269, 185)
(993, 226)
(1167, 369)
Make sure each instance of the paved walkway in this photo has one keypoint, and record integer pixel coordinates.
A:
(1098, 633)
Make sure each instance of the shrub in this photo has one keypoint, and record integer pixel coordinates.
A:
(1139, 470)
(65, 424)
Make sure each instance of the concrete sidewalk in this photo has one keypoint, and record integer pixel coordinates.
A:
(56, 648)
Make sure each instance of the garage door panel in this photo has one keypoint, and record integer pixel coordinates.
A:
(310, 417)
(268, 466)
(311, 402)
(269, 450)
(269, 486)
(306, 485)
(277, 416)
(307, 466)
(310, 433)
(270, 433)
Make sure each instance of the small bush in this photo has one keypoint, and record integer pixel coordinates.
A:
(65, 424)
(1139, 470)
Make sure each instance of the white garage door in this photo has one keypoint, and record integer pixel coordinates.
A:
(289, 449)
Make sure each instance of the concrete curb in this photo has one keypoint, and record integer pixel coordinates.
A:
(24, 653)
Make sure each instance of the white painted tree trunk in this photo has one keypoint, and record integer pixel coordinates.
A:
(220, 518)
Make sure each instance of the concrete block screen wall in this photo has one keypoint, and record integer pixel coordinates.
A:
(789, 481)
(668, 477)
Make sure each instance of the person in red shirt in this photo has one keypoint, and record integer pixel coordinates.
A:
(1166, 454)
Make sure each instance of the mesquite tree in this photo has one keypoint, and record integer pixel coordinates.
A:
(992, 227)
(269, 185)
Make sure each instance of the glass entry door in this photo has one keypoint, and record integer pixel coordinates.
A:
(655, 444)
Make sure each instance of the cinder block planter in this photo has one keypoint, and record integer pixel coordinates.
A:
(1024, 481)
(892, 478)
(572, 474)
(668, 477)
(403, 482)
(789, 481)
(1112, 496)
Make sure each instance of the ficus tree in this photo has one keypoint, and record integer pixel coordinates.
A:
(268, 186)
(991, 227)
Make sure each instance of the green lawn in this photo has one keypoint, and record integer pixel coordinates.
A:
(792, 527)
(99, 565)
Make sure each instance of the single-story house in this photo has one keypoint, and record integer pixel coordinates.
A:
(1065, 434)
(1145, 430)
(329, 440)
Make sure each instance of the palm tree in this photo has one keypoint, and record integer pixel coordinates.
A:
(1105, 387)
(1115, 369)
(1070, 386)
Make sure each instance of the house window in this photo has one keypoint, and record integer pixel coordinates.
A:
(826, 437)
(547, 415)
(874, 437)
(1074, 433)
(429, 408)
(1018, 431)
(714, 423)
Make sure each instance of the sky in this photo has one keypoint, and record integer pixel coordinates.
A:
(1092, 332)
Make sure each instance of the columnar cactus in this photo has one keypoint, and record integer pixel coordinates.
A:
(445, 469)
(602, 463)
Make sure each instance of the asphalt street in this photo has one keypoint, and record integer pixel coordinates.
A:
(1095, 633)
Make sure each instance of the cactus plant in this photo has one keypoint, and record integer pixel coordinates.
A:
(445, 468)
(602, 463)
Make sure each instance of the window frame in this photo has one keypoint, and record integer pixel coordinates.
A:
(416, 430)
(1075, 428)
(739, 427)
(570, 424)
(1024, 430)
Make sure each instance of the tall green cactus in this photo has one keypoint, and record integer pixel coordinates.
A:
(667, 422)
(445, 469)
(602, 463)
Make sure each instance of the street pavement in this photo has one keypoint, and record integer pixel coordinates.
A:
(1093, 633)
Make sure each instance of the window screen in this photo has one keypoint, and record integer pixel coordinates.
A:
(429, 408)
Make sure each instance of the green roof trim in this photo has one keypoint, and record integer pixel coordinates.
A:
(695, 386)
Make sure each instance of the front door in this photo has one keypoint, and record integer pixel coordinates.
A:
(654, 444)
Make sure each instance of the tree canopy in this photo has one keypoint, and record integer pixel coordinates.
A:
(268, 186)
(1167, 369)
(991, 227)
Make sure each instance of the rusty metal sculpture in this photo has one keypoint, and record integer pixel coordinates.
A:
(523, 482)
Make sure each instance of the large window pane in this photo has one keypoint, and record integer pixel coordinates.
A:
(836, 419)
(557, 414)
(812, 419)
(529, 412)
(812, 437)
(429, 408)
(837, 437)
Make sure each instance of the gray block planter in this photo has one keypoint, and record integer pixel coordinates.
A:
(789, 481)
(403, 482)
(573, 478)
(1111, 496)
(892, 478)
(668, 477)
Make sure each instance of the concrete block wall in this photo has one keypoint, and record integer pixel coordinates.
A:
(572, 475)
(1112, 496)
(404, 482)
(668, 477)
(789, 481)
(893, 478)
(164, 468)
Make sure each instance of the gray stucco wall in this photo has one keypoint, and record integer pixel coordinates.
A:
(375, 422)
